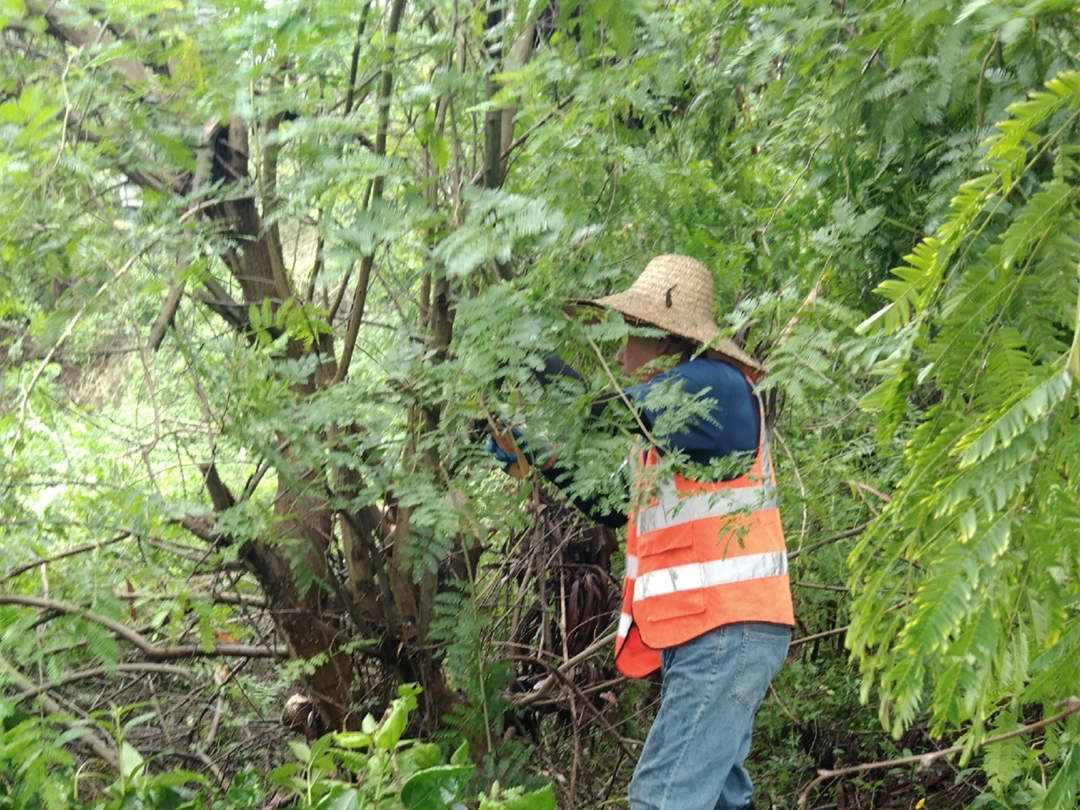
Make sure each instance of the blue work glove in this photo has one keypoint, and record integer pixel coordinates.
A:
(502, 456)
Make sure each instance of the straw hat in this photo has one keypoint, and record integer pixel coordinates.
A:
(675, 293)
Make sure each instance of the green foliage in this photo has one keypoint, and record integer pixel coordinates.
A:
(964, 594)
(800, 149)
(387, 771)
(31, 754)
(375, 768)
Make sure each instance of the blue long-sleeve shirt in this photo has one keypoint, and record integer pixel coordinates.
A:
(724, 421)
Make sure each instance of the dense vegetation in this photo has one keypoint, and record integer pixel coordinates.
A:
(270, 271)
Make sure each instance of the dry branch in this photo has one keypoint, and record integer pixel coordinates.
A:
(97, 743)
(557, 674)
(28, 692)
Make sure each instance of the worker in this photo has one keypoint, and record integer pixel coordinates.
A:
(706, 597)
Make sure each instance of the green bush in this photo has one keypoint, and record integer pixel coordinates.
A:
(371, 769)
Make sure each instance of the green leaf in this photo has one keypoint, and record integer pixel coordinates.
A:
(391, 728)
(461, 754)
(131, 761)
(517, 799)
(300, 750)
(285, 776)
(341, 797)
(435, 788)
(352, 739)
(11, 10)
(417, 757)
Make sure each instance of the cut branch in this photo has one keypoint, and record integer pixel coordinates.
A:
(167, 314)
(545, 685)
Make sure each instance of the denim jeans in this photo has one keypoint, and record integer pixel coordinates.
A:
(713, 685)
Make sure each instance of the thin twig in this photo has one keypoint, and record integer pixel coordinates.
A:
(982, 75)
(871, 490)
(830, 539)
(802, 489)
(783, 707)
(808, 302)
(356, 313)
(20, 569)
(620, 392)
(816, 636)
(559, 674)
(819, 586)
(776, 209)
(520, 139)
(257, 602)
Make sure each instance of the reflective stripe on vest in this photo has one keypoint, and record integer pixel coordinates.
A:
(705, 575)
(671, 510)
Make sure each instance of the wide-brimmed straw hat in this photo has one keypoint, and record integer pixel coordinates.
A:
(675, 293)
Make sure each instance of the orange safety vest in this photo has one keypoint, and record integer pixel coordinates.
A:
(698, 556)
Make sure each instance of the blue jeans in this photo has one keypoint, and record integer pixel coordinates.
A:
(713, 685)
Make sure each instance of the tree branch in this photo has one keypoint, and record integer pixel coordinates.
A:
(257, 602)
(21, 569)
(854, 530)
(545, 685)
(96, 742)
(1072, 705)
(783, 199)
(167, 314)
(356, 312)
(29, 691)
(220, 495)
(144, 645)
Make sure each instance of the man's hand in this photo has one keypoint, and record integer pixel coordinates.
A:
(509, 448)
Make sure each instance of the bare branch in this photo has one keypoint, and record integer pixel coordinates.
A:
(167, 314)
(28, 692)
(764, 229)
(218, 598)
(545, 685)
(854, 530)
(220, 495)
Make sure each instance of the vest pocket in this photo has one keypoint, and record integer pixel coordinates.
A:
(675, 606)
(666, 540)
